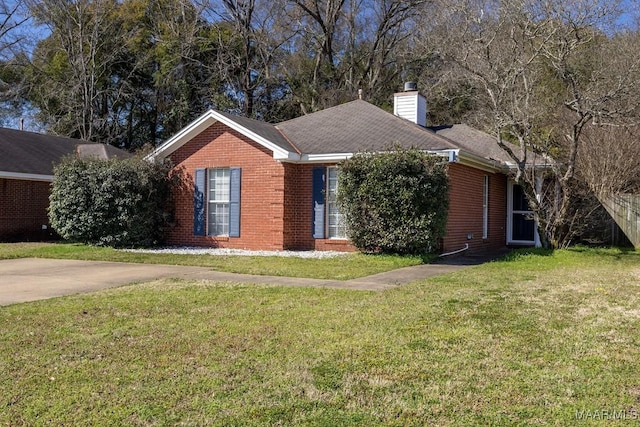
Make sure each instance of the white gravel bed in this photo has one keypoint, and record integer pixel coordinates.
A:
(186, 250)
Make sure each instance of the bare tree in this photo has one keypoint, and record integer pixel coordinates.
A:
(609, 159)
(175, 53)
(309, 53)
(320, 29)
(382, 49)
(326, 15)
(355, 44)
(74, 65)
(533, 59)
(608, 165)
(250, 40)
(14, 42)
(12, 17)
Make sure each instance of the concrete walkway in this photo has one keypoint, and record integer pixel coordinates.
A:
(30, 279)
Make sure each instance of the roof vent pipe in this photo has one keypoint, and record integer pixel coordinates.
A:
(410, 86)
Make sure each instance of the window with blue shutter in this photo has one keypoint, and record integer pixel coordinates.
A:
(318, 186)
(198, 202)
(216, 210)
(234, 201)
(336, 228)
(218, 202)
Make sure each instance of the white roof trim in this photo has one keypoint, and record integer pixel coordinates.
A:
(451, 154)
(26, 176)
(514, 166)
(325, 158)
(207, 119)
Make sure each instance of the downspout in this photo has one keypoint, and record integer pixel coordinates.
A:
(454, 158)
(466, 246)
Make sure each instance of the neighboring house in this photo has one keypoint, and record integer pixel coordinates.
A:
(26, 174)
(254, 185)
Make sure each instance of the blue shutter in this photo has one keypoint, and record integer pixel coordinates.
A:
(234, 202)
(318, 202)
(199, 202)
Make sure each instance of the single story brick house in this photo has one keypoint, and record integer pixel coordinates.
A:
(26, 174)
(255, 185)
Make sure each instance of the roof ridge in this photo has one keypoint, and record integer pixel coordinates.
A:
(323, 110)
(284, 135)
(43, 135)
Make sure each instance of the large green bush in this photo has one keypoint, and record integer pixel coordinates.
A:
(115, 202)
(395, 202)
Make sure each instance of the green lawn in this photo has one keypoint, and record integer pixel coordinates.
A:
(538, 339)
(349, 266)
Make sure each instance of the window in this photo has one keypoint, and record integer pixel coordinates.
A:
(327, 220)
(218, 209)
(485, 207)
(335, 223)
(217, 202)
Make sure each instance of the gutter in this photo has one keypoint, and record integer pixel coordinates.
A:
(26, 176)
(478, 162)
(451, 156)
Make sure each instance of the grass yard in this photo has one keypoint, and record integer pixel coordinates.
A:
(349, 266)
(538, 339)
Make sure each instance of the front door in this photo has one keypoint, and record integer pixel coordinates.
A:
(521, 224)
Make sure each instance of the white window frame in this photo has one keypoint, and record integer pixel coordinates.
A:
(485, 207)
(337, 231)
(220, 202)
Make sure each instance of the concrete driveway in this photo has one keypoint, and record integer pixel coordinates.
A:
(31, 279)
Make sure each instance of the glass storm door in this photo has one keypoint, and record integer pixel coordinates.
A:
(522, 226)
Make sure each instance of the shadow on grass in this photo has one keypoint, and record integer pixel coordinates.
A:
(617, 253)
(518, 254)
(428, 258)
(473, 259)
(613, 252)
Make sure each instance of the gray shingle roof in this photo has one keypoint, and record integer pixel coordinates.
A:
(100, 151)
(35, 153)
(265, 130)
(474, 141)
(355, 127)
(482, 144)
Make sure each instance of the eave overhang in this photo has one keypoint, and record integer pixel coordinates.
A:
(450, 154)
(488, 165)
(26, 176)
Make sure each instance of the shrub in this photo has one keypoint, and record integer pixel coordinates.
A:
(395, 202)
(114, 202)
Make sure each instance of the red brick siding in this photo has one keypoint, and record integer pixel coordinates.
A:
(262, 191)
(277, 207)
(23, 210)
(465, 210)
(298, 233)
(339, 245)
(276, 198)
(299, 212)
